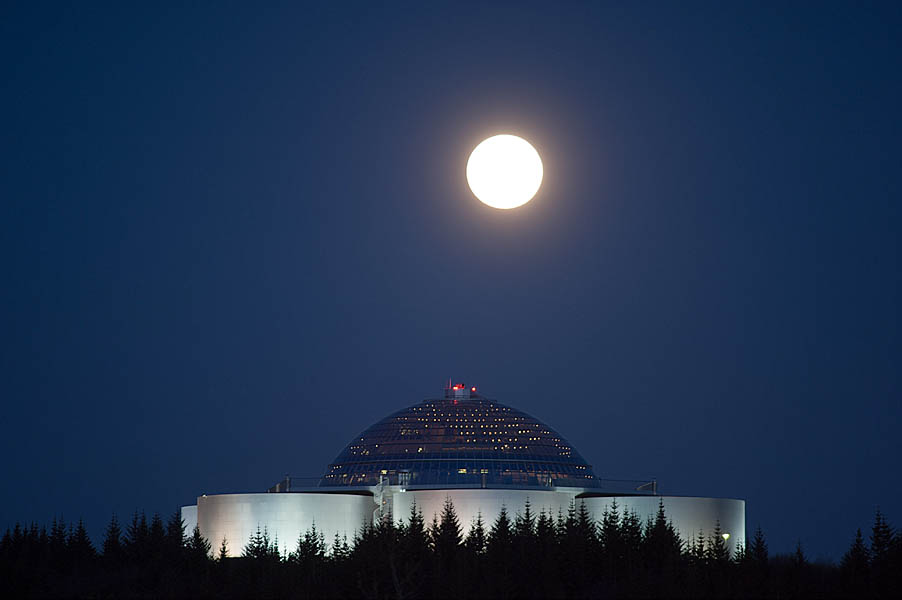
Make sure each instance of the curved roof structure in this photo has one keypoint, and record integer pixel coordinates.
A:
(461, 440)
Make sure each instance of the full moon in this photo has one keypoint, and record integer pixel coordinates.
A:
(504, 171)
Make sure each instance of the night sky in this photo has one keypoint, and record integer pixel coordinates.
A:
(234, 236)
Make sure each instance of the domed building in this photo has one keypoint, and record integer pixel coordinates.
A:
(461, 440)
(481, 454)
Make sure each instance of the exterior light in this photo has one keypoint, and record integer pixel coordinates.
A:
(726, 536)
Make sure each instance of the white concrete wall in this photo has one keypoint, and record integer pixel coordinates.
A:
(236, 517)
(189, 517)
(690, 515)
(488, 502)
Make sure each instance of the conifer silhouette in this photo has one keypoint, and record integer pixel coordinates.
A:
(856, 567)
(112, 541)
(477, 538)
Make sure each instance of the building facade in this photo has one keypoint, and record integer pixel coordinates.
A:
(480, 454)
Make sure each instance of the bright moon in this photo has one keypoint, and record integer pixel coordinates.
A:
(504, 171)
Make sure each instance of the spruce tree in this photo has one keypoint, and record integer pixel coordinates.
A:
(476, 539)
(156, 538)
(198, 547)
(261, 547)
(415, 538)
(447, 537)
(6, 547)
(718, 553)
(662, 547)
(587, 530)
(758, 550)
(881, 548)
(855, 567)
(112, 541)
(223, 548)
(698, 553)
(758, 565)
(57, 541)
(79, 545)
(175, 535)
(610, 540)
(631, 533)
(136, 540)
(499, 556)
(310, 548)
(500, 535)
(524, 524)
(340, 549)
(546, 535)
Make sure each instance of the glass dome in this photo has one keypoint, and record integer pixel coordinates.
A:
(461, 440)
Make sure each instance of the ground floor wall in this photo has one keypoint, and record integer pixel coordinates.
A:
(690, 516)
(236, 517)
(189, 518)
(469, 504)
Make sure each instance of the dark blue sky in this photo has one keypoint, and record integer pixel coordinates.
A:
(233, 236)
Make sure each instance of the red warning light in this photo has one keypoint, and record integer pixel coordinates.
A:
(473, 389)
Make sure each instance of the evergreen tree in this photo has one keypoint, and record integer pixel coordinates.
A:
(798, 558)
(112, 541)
(261, 547)
(175, 535)
(500, 535)
(740, 556)
(57, 542)
(447, 538)
(6, 547)
(662, 548)
(610, 539)
(525, 524)
(717, 551)
(698, 553)
(499, 556)
(662, 544)
(408, 554)
(631, 533)
(758, 550)
(156, 538)
(198, 547)
(718, 565)
(881, 548)
(414, 537)
(757, 570)
(311, 548)
(223, 548)
(546, 534)
(476, 539)
(79, 545)
(855, 567)
(587, 530)
(136, 540)
(340, 550)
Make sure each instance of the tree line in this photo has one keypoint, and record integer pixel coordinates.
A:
(525, 555)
